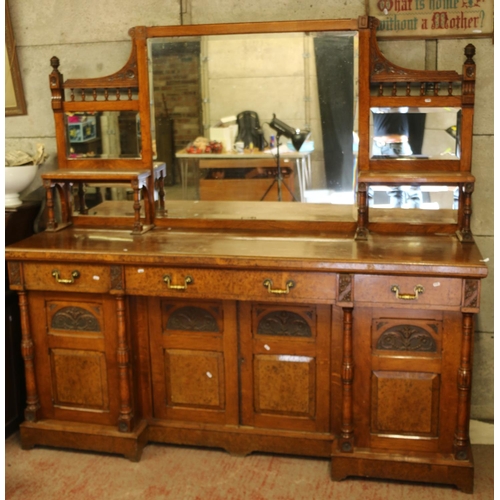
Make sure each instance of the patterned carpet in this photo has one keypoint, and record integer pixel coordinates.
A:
(184, 473)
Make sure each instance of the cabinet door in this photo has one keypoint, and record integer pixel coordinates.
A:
(193, 357)
(75, 344)
(405, 379)
(285, 365)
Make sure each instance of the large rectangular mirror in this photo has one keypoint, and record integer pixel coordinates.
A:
(243, 94)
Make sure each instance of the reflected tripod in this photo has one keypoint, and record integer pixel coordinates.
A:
(278, 178)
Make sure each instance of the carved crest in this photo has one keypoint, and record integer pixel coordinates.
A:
(285, 323)
(406, 338)
(75, 318)
(193, 319)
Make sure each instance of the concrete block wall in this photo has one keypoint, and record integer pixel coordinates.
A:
(91, 40)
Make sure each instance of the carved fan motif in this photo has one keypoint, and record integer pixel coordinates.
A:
(285, 323)
(193, 319)
(406, 338)
(75, 318)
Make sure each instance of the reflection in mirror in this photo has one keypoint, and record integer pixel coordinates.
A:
(423, 197)
(214, 102)
(103, 134)
(406, 133)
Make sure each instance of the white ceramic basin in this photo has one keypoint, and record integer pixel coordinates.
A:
(17, 179)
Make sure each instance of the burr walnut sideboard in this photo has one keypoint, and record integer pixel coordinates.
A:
(272, 327)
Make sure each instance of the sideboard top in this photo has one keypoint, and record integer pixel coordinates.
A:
(425, 255)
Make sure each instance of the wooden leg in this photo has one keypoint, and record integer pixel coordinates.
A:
(28, 354)
(362, 229)
(461, 442)
(161, 190)
(51, 218)
(148, 205)
(64, 190)
(347, 429)
(125, 420)
(81, 198)
(137, 209)
(464, 233)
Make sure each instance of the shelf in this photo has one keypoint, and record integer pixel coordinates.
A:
(402, 178)
(65, 175)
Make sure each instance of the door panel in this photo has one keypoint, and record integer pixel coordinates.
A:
(405, 378)
(76, 356)
(195, 378)
(194, 360)
(285, 366)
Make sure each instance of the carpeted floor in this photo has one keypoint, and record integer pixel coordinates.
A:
(184, 473)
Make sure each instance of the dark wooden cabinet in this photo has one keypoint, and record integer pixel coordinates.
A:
(19, 224)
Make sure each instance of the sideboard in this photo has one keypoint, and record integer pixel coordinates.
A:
(338, 335)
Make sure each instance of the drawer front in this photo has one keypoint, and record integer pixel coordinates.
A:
(249, 285)
(67, 277)
(408, 290)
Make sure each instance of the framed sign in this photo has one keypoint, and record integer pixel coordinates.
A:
(432, 18)
(15, 103)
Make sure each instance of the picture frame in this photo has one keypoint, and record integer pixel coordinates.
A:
(15, 103)
(432, 19)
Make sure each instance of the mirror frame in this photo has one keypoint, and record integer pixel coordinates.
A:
(437, 89)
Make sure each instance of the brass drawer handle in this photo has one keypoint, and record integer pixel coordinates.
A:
(187, 281)
(268, 284)
(407, 296)
(74, 276)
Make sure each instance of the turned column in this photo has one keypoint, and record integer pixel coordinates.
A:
(347, 426)
(125, 419)
(461, 441)
(464, 233)
(362, 229)
(137, 208)
(28, 354)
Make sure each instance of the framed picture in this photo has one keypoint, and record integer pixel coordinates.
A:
(15, 103)
(432, 18)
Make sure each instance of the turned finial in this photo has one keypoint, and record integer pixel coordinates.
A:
(54, 62)
(470, 52)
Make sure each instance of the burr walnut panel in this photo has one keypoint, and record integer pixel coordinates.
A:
(194, 378)
(79, 379)
(285, 385)
(405, 403)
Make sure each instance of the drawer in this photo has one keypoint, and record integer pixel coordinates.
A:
(266, 285)
(71, 277)
(231, 284)
(411, 290)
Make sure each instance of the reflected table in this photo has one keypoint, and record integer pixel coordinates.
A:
(300, 163)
